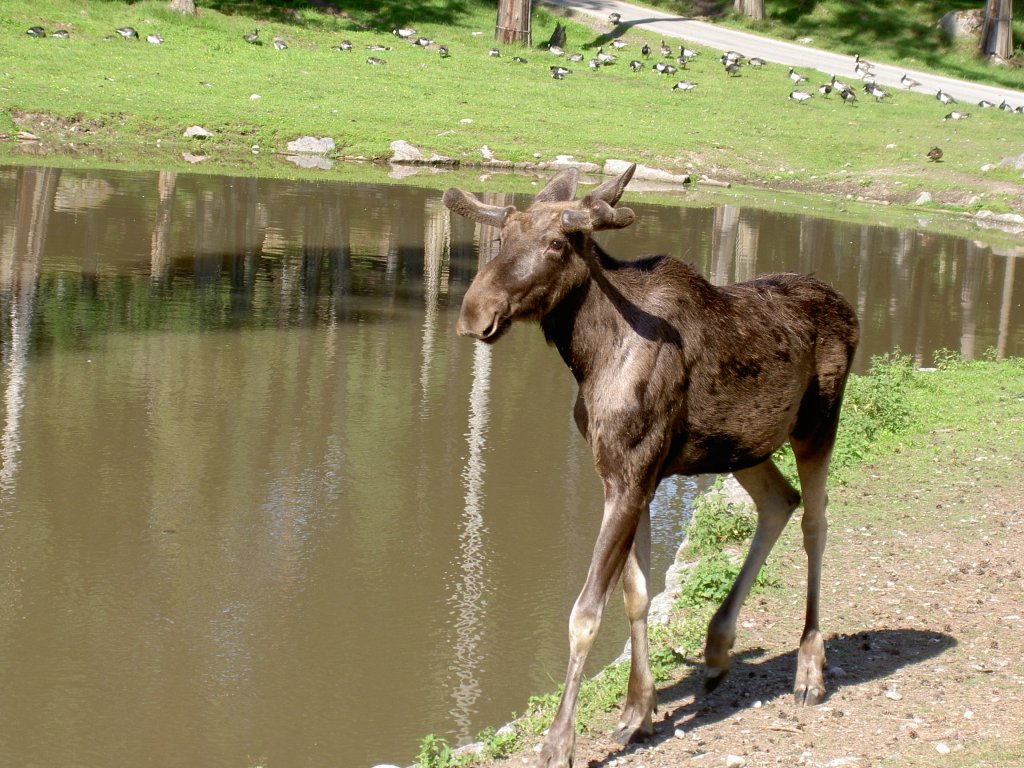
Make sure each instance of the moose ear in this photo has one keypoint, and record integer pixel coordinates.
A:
(611, 190)
(560, 188)
(467, 205)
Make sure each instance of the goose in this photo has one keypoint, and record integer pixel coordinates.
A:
(735, 55)
(377, 47)
(682, 61)
(934, 154)
(663, 69)
(860, 61)
(557, 50)
(61, 33)
(665, 50)
(757, 62)
(253, 38)
(646, 51)
(909, 82)
(986, 104)
(688, 53)
(796, 77)
(494, 53)
(1020, 109)
(799, 96)
(375, 61)
(825, 89)
(957, 115)
(863, 72)
(575, 57)
(684, 85)
(423, 42)
(944, 97)
(36, 31)
(614, 18)
(728, 59)
(344, 45)
(635, 65)
(848, 96)
(442, 51)
(840, 86)
(732, 68)
(1005, 107)
(127, 33)
(872, 89)
(559, 73)
(279, 44)
(605, 58)
(403, 33)
(518, 60)
(154, 39)
(594, 64)
(618, 43)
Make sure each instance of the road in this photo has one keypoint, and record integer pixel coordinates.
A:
(663, 25)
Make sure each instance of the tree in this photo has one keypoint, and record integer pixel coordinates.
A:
(184, 6)
(752, 8)
(513, 22)
(997, 32)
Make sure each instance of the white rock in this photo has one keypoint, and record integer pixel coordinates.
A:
(679, 733)
(254, 97)
(894, 695)
(196, 132)
(312, 145)
(735, 761)
(942, 748)
(924, 197)
(643, 172)
(405, 152)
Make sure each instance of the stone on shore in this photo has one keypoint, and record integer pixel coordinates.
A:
(196, 132)
(312, 145)
(404, 152)
(643, 172)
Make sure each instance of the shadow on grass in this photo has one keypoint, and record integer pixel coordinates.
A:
(863, 657)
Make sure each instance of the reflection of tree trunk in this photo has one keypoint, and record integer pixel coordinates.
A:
(1004, 308)
(435, 280)
(811, 243)
(723, 243)
(243, 212)
(158, 246)
(746, 249)
(969, 302)
(864, 271)
(900, 286)
(20, 268)
(340, 267)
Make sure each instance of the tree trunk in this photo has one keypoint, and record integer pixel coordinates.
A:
(997, 32)
(184, 6)
(513, 22)
(752, 8)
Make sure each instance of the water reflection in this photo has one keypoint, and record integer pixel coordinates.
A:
(254, 491)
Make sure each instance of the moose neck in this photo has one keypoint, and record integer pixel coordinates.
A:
(591, 316)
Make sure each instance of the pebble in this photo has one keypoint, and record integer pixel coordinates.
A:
(679, 733)
(735, 761)
(894, 695)
(942, 748)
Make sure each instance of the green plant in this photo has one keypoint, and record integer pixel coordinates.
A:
(434, 752)
(717, 523)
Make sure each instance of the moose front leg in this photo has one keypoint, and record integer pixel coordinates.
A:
(618, 527)
(638, 712)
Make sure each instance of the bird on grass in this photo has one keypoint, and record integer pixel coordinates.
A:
(825, 89)
(646, 51)
(614, 18)
(799, 96)
(665, 50)
(36, 31)
(127, 33)
(957, 115)
(688, 53)
(403, 33)
(377, 47)
(796, 77)
(618, 43)
(494, 53)
(559, 72)
(934, 154)
(556, 50)
(280, 44)
(684, 85)
(944, 98)
(872, 89)
(253, 38)
(375, 61)
(423, 42)
(986, 104)
(605, 58)
(849, 97)
(154, 39)
(61, 33)
(732, 68)
(757, 62)
(575, 57)
(636, 65)
(442, 51)
(344, 45)
(518, 60)
(664, 69)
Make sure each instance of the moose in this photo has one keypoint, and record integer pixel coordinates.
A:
(674, 376)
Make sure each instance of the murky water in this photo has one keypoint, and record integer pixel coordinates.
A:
(260, 506)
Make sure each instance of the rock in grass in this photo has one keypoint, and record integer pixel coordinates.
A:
(311, 145)
(196, 132)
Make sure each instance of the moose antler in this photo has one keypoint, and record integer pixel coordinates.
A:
(465, 204)
(599, 215)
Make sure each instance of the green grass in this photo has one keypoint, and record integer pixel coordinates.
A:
(129, 102)
(899, 33)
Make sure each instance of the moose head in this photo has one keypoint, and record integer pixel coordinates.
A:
(542, 250)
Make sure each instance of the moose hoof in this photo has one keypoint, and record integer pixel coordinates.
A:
(634, 728)
(712, 677)
(808, 695)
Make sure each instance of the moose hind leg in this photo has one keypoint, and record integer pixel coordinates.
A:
(775, 499)
(809, 685)
(637, 713)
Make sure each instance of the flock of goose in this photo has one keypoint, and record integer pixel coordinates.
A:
(128, 33)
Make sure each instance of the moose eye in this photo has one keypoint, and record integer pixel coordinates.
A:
(556, 245)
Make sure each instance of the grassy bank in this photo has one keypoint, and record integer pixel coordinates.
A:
(90, 99)
(919, 452)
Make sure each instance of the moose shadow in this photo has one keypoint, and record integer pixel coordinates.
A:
(862, 657)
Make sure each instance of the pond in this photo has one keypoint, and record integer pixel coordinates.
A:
(260, 506)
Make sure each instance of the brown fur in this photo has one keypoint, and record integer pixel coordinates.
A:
(676, 376)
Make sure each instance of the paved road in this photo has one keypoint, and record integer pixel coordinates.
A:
(663, 25)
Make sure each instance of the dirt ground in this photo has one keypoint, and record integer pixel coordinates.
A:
(925, 613)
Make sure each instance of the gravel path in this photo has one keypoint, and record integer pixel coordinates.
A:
(664, 25)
